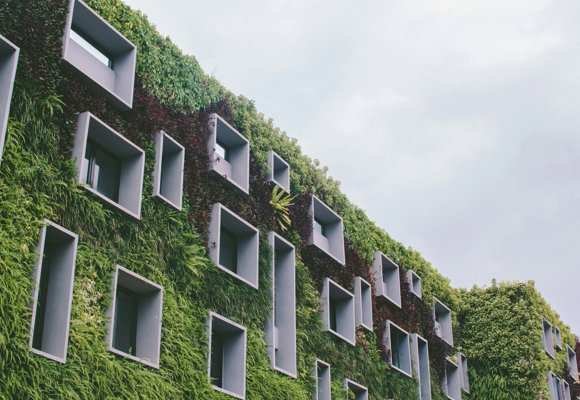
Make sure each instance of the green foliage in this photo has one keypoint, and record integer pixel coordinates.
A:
(281, 203)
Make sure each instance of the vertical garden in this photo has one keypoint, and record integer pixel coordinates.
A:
(172, 246)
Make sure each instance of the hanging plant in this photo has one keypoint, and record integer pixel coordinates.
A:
(281, 203)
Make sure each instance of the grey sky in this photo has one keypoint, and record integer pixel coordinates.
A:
(470, 110)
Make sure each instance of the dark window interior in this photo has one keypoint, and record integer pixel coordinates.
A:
(42, 297)
(320, 227)
(126, 310)
(217, 359)
(222, 150)
(103, 171)
(332, 314)
(228, 250)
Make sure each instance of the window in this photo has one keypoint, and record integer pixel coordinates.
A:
(233, 245)
(443, 321)
(398, 347)
(227, 356)
(100, 53)
(103, 170)
(281, 328)
(110, 165)
(229, 153)
(322, 371)
(363, 303)
(420, 362)
(279, 171)
(327, 230)
(554, 386)
(8, 62)
(168, 174)
(355, 391)
(572, 362)
(558, 338)
(135, 325)
(338, 311)
(464, 372)
(566, 395)
(53, 289)
(451, 384)
(414, 283)
(548, 338)
(387, 278)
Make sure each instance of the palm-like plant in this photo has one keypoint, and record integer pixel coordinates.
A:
(281, 203)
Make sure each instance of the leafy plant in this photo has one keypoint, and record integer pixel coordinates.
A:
(281, 203)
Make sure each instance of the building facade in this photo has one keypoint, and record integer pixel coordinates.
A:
(162, 239)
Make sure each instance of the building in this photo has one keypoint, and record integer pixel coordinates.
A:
(141, 256)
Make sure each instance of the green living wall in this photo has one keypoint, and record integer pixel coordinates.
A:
(169, 247)
(502, 337)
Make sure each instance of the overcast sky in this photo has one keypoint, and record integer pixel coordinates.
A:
(455, 124)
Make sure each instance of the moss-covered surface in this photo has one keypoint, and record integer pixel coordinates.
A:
(169, 247)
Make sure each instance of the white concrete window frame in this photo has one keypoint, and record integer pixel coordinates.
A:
(331, 239)
(149, 315)
(9, 54)
(323, 380)
(133, 162)
(572, 363)
(363, 303)
(246, 241)
(463, 368)
(443, 321)
(548, 338)
(420, 362)
(59, 291)
(168, 173)
(281, 325)
(387, 278)
(235, 166)
(403, 351)
(360, 392)
(451, 382)
(345, 323)
(415, 284)
(234, 361)
(279, 171)
(117, 81)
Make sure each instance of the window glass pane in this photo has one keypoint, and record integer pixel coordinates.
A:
(319, 227)
(126, 308)
(217, 359)
(228, 250)
(103, 170)
(333, 314)
(222, 150)
(107, 174)
(42, 297)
